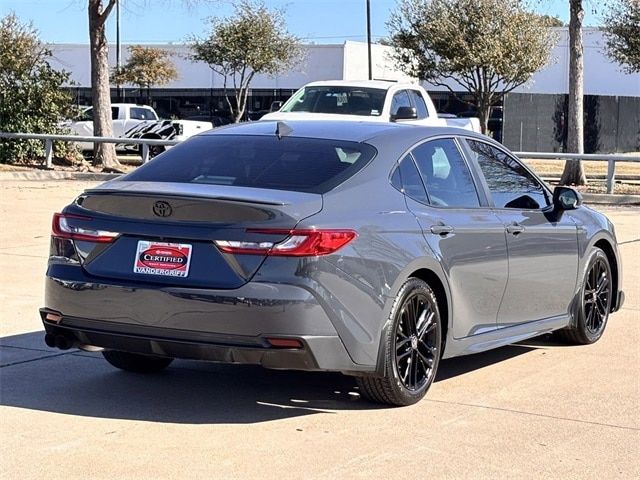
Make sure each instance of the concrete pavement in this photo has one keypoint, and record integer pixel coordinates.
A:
(533, 410)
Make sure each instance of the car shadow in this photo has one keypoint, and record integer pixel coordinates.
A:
(453, 367)
(32, 376)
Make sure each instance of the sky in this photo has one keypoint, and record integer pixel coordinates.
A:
(165, 21)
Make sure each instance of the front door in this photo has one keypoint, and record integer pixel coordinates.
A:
(543, 249)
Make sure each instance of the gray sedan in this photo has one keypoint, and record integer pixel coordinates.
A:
(375, 250)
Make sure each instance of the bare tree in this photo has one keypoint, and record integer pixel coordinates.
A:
(485, 47)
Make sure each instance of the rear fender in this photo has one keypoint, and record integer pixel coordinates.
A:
(423, 263)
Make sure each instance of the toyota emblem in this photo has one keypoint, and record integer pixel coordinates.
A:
(162, 209)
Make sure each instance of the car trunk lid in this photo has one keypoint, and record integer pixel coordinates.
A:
(164, 227)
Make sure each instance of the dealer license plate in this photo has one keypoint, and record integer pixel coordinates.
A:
(167, 259)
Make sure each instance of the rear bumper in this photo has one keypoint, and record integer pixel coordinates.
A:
(230, 326)
(317, 353)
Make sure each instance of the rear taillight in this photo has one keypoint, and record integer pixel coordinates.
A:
(299, 243)
(61, 229)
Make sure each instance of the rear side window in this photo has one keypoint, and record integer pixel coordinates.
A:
(298, 164)
(407, 179)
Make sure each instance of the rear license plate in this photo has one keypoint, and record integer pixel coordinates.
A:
(167, 259)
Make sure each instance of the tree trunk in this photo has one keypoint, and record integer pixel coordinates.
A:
(241, 102)
(484, 111)
(105, 153)
(573, 170)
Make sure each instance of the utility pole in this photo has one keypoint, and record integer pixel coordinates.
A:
(369, 39)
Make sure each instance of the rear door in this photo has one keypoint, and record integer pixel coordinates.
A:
(543, 249)
(462, 232)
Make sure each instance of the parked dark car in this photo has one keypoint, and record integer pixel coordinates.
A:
(372, 249)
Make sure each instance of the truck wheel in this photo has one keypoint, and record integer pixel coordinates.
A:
(155, 150)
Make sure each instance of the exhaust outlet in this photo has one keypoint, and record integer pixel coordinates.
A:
(50, 340)
(90, 348)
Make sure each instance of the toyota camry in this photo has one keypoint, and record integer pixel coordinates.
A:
(371, 249)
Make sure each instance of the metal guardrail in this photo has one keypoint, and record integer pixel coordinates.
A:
(611, 159)
(49, 139)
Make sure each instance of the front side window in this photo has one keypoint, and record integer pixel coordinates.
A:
(510, 184)
(115, 113)
(400, 99)
(292, 163)
(421, 106)
(445, 174)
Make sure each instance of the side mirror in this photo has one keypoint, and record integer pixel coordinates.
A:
(566, 198)
(275, 106)
(405, 113)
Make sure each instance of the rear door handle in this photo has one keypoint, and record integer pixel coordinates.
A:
(515, 229)
(441, 229)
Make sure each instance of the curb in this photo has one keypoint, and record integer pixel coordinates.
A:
(44, 175)
(610, 199)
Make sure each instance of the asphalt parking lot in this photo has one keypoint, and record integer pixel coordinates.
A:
(533, 410)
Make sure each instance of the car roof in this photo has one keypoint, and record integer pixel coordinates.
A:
(344, 130)
(381, 84)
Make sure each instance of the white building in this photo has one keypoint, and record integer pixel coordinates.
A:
(534, 114)
(348, 61)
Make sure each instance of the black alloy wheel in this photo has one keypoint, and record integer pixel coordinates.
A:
(412, 348)
(416, 342)
(597, 296)
(594, 303)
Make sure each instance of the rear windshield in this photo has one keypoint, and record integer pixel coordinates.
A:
(338, 99)
(298, 164)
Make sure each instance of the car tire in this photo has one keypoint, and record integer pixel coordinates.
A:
(411, 348)
(135, 362)
(594, 302)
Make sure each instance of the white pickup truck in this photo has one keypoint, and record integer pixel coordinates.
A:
(127, 119)
(371, 100)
